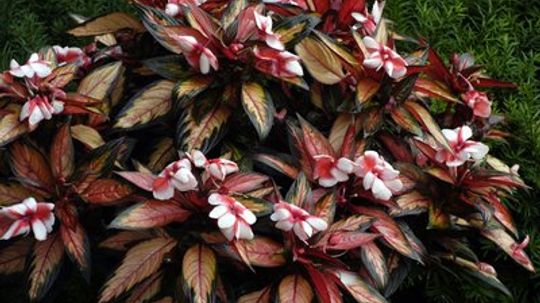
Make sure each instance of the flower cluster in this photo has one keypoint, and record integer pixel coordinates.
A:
(294, 136)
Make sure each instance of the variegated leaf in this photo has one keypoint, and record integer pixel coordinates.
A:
(299, 192)
(150, 104)
(99, 83)
(259, 107)
(87, 136)
(12, 192)
(259, 296)
(124, 239)
(30, 165)
(46, 262)
(358, 288)
(62, 154)
(264, 252)
(10, 126)
(162, 154)
(13, 257)
(74, 237)
(106, 191)
(149, 214)
(147, 289)
(259, 207)
(107, 24)
(323, 64)
(375, 263)
(186, 89)
(140, 262)
(294, 289)
(199, 274)
(203, 134)
(424, 117)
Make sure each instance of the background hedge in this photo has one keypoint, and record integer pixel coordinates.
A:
(503, 35)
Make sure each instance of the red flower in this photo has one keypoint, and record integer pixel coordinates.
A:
(27, 215)
(278, 64)
(329, 172)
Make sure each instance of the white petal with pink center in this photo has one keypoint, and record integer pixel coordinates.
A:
(463, 149)
(75, 55)
(291, 217)
(233, 218)
(330, 172)
(196, 53)
(176, 175)
(368, 21)
(28, 215)
(478, 102)
(277, 63)
(382, 56)
(378, 175)
(264, 26)
(39, 108)
(33, 67)
(218, 168)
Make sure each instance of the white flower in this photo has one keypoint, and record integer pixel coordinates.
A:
(234, 219)
(217, 168)
(34, 66)
(39, 108)
(264, 26)
(382, 56)
(463, 149)
(291, 217)
(176, 175)
(329, 172)
(28, 215)
(378, 175)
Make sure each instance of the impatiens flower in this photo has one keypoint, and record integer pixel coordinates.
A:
(329, 172)
(28, 215)
(478, 102)
(217, 168)
(39, 108)
(518, 251)
(291, 217)
(196, 53)
(382, 56)
(234, 219)
(378, 175)
(369, 21)
(75, 55)
(176, 175)
(462, 148)
(34, 66)
(264, 26)
(174, 7)
(280, 64)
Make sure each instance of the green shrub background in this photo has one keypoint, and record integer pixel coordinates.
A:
(503, 35)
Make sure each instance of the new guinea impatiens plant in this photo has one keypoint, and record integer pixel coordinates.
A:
(250, 151)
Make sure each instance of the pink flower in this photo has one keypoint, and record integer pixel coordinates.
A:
(217, 168)
(27, 215)
(196, 53)
(370, 22)
(479, 103)
(291, 217)
(176, 175)
(39, 108)
(34, 66)
(174, 7)
(378, 175)
(264, 26)
(66, 55)
(279, 64)
(462, 149)
(382, 56)
(234, 219)
(329, 172)
(518, 252)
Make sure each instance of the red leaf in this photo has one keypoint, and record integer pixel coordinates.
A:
(74, 237)
(358, 288)
(62, 154)
(149, 214)
(106, 191)
(29, 164)
(45, 266)
(244, 182)
(375, 263)
(199, 273)
(125, 239)
(327, 291)
(141, 180)
(278, 163)
(13, 257)
(140, 262)
(349, 240)
(315, 143)
(146, 289)
(294, 289)
(424, 117)
(486, 82)
(259, 296)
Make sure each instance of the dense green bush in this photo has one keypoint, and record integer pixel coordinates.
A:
(501, 34)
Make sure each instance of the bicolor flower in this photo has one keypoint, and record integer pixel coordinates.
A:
(368, 21)
(463, 149)
(291, 217)
(329, 172)
(75, 55)
(196, 53)
(478, 102)
(217, 168)
(39, 108)
(34, 66)
(173, 8)
(264, 26)
(28, 215)
(382, 56)
(280, 64)
(233, 218)
(176, 175)
(378, 175)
